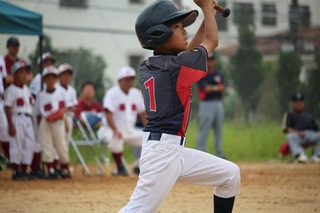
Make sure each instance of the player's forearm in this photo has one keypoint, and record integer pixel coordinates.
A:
(143, 118)
(210, 30)
(111, 121)
(8, 112)
(198, 38)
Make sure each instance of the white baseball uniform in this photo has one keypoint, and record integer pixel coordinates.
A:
(125, 108)
(35, 88)
(22, 144)
(71, 101)
(4, 137)
(52, 134)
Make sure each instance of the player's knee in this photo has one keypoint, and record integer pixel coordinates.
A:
(234, 180)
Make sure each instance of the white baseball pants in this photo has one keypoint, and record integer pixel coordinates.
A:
(22, 144)
(132, 137)
(165, 162)
(4, 136)
(52, 137)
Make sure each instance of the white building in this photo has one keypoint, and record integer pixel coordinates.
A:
(107, 26)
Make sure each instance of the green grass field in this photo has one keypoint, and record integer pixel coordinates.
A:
(241, 142)
(245, 142)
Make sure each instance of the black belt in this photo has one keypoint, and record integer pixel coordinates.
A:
(156, 136)
(25, 114)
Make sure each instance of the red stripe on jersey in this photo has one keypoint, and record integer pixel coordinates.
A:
(187, 76)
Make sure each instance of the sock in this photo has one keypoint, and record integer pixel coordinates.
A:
(57, 165)
(15, 167)
(223, 205)
(24, 168)
(117, 158)
(65, 167)
(5, 148)
(50, 167)
(36, 161)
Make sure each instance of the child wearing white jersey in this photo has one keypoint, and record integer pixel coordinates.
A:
(51, 109)
(65, 78)
(18, 108)
(3, 124)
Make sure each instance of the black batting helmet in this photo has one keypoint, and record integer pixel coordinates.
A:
(151, 24)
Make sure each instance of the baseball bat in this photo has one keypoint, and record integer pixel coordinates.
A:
(224, 11)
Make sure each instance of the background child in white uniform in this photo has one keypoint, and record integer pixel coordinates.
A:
(65, 78)
(51, 106)
(18, 108)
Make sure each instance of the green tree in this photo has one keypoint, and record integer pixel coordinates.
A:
(288, 77)
(313, 88)
(88, 67)
(247, 70)
(35, 55)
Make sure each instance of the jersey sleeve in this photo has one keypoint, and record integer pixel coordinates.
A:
(9, 97)
(3, 69)
(193, 66)
(287, 122)
(108, 102)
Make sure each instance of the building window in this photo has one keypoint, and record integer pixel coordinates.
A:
(221, 21)
(74, 3)
(269, 15)
(304, 12)
(243, 12)
(134, 61)
(136, 1)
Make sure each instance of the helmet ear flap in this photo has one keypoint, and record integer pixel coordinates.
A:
(157, 35)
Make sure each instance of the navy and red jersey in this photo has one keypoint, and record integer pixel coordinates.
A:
(299, 121)
(166, 82)
(212, 79)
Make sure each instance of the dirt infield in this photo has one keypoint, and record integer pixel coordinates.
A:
(266, 187)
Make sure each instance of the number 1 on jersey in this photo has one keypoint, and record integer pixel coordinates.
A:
(149, 85)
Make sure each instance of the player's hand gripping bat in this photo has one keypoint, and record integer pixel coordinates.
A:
(224, 11)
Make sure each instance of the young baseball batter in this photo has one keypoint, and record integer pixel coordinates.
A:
(65, 78)
(18, 108)
(165, 80)
(51, 108)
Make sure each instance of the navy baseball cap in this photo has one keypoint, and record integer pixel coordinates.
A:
(297, 97)
(13, 42)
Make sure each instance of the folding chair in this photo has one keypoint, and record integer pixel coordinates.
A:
(89, 145)
(284, 149)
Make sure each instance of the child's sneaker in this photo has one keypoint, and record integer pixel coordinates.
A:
(315, 159)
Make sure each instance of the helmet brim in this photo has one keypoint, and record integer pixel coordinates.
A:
(186, 17)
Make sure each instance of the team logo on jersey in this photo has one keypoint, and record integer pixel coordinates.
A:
(20, 102)
(122, 107)
(47, 107)
(133, 107)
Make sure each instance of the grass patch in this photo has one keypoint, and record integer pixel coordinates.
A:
(241, 142)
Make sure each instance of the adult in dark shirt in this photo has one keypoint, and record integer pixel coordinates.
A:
(301, 129)
(88, 104)
(211, 110)
(11, 57)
